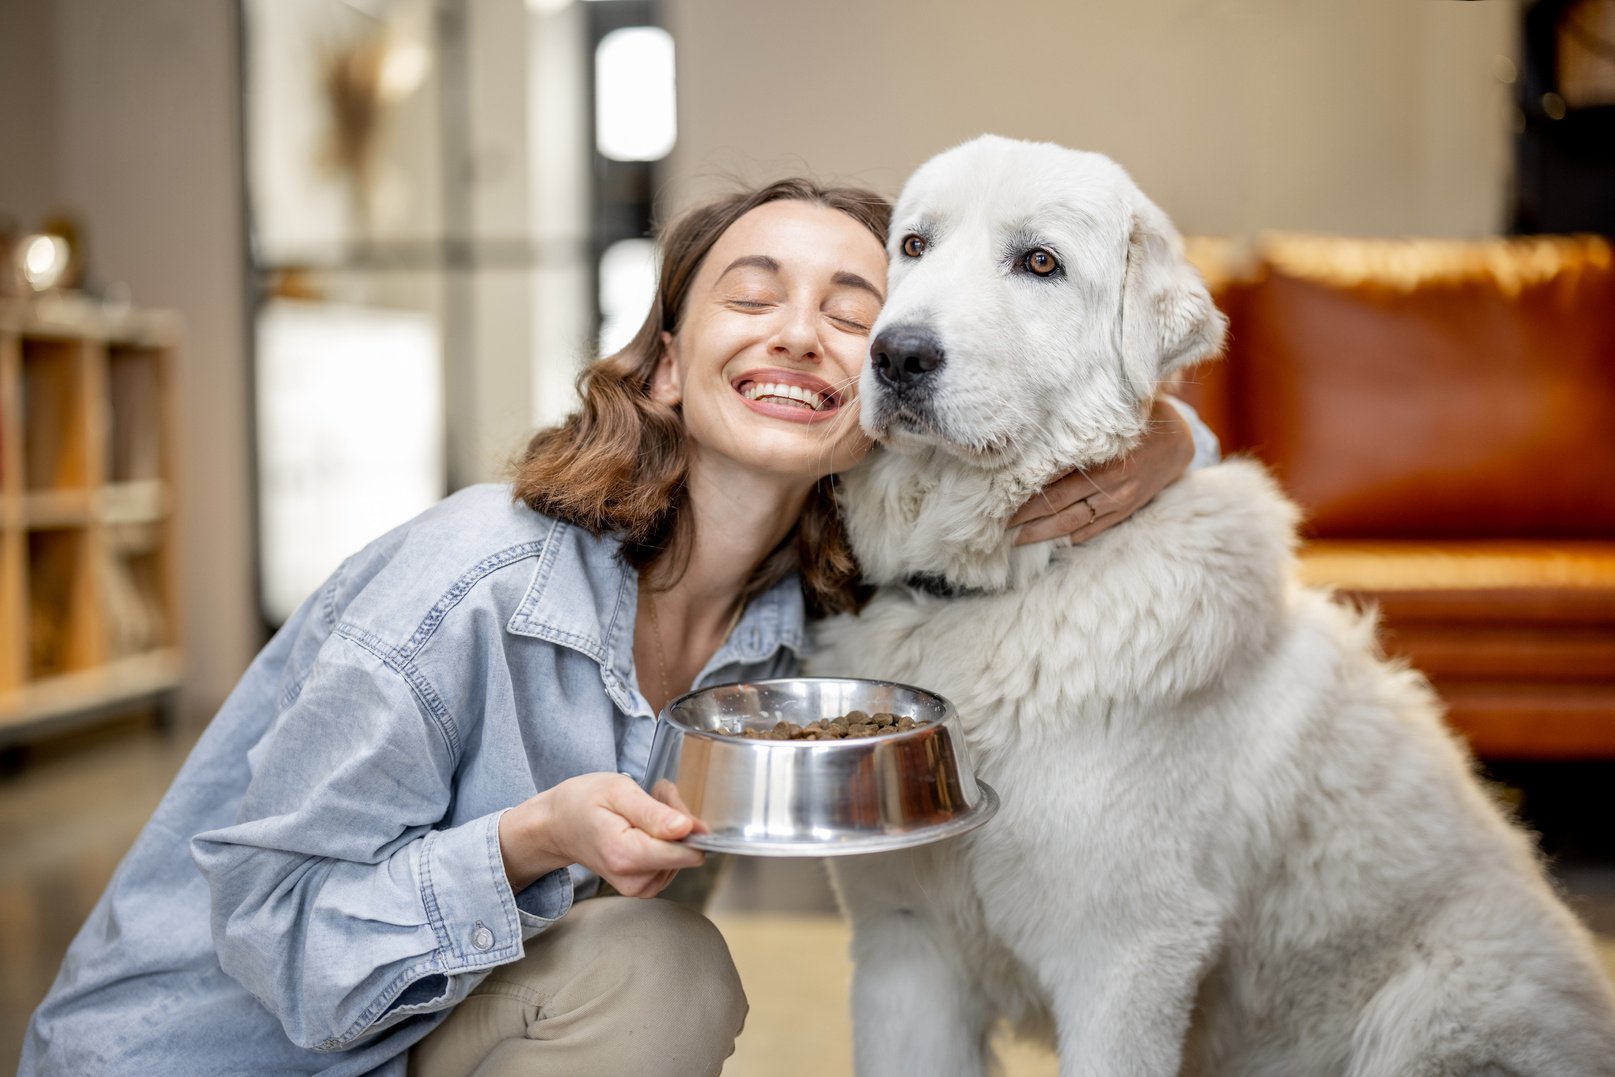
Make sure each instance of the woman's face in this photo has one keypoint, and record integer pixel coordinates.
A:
(774, 333)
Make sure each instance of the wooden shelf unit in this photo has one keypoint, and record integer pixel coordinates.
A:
(89, 611)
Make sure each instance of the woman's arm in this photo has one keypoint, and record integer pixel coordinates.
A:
(338, 897)
(1083, 504)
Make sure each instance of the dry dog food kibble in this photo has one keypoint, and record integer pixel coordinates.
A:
(849, 725)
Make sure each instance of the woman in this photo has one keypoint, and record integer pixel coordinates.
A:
(439, 751)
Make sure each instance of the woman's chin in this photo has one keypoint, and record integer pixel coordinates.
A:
(796, 453)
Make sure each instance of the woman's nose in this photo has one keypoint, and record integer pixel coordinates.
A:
(797, 336)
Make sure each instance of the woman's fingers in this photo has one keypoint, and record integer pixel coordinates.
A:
(611, 826)
(645, 886)
(638, 865)
(1080, 506)
(644, 811)
(641, 856)
(668, 793)
(1111, 501)
(1076, 517)
(636, 852)
(1059, 495)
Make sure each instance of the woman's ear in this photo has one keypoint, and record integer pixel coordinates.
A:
(665, 384)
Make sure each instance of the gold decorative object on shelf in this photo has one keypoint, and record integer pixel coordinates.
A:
(42, 260)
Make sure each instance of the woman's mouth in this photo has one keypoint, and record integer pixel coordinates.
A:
(777, 393)
(788, 393)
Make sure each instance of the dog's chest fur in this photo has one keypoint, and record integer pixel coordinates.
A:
(1138, 615)
(1063, 687)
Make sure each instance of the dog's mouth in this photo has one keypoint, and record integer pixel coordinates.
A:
(898, 426)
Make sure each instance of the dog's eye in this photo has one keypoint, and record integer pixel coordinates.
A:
(1042, 261)
(913, 246)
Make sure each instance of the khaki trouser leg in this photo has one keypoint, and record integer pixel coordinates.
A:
(619, 986)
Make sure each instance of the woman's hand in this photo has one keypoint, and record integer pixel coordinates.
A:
(1082, 505)
(604, 822)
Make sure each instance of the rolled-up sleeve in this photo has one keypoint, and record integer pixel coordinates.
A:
(1207, 449)
(338, 898)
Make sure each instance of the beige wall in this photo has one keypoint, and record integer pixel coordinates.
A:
(133, 106)
(27, 101)
(1375, 116)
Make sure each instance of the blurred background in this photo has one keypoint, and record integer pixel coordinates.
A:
(277, 274)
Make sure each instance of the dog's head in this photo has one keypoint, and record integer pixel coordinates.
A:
(1037, 299)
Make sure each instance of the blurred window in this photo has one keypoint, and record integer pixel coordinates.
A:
(634, 112)
(627, 287)
(449, 203)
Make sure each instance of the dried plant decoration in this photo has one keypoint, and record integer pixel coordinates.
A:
(351, 80)
(361, 79)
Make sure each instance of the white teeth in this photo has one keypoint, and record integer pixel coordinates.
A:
(760, 389)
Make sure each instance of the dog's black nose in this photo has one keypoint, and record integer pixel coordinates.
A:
(905, 355)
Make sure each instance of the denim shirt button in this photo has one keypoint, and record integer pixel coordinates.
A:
(481, 938)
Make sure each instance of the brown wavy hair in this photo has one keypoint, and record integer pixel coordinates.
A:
(619, 463)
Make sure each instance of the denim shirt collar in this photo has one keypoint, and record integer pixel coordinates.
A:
(584, 596)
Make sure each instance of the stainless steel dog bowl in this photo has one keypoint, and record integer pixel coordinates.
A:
(815, 798)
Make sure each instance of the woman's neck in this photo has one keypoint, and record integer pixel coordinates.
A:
(736, 519)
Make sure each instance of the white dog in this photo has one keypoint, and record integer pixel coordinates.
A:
(1233, 839)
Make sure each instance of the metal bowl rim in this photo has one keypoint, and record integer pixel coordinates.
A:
(948, 713)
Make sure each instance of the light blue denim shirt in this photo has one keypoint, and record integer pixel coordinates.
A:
(343, 805)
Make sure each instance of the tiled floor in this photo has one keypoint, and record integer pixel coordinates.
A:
(68, 814)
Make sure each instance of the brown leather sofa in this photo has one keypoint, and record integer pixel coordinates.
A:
(1445, 414)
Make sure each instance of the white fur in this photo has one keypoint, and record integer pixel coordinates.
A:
(1233, 840)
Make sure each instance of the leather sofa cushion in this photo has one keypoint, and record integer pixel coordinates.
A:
(1483, 611)
(1417, 389)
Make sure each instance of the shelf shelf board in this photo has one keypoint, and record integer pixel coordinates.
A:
(45, 510)
(70, 696)
(70, 316)
(142, 502)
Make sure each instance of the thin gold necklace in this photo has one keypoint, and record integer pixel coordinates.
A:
(656, 639)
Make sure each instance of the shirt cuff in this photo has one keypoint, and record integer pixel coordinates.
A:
(479, 923)
(544, 902)
(468, 899)
(1207, 449)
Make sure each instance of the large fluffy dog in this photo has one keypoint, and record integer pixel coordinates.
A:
(1233, 840)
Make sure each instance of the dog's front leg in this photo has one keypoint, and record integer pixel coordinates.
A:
(915, 1008)
(1124, 1011)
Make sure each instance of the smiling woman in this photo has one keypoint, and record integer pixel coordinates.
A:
(773, 292)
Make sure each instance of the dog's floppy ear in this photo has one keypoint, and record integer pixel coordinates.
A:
(1168, 318)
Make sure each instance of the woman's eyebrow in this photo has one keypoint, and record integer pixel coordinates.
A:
(751, 261)
(842, 278)
(853, 280)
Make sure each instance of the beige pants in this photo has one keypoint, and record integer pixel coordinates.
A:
(620, 986)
